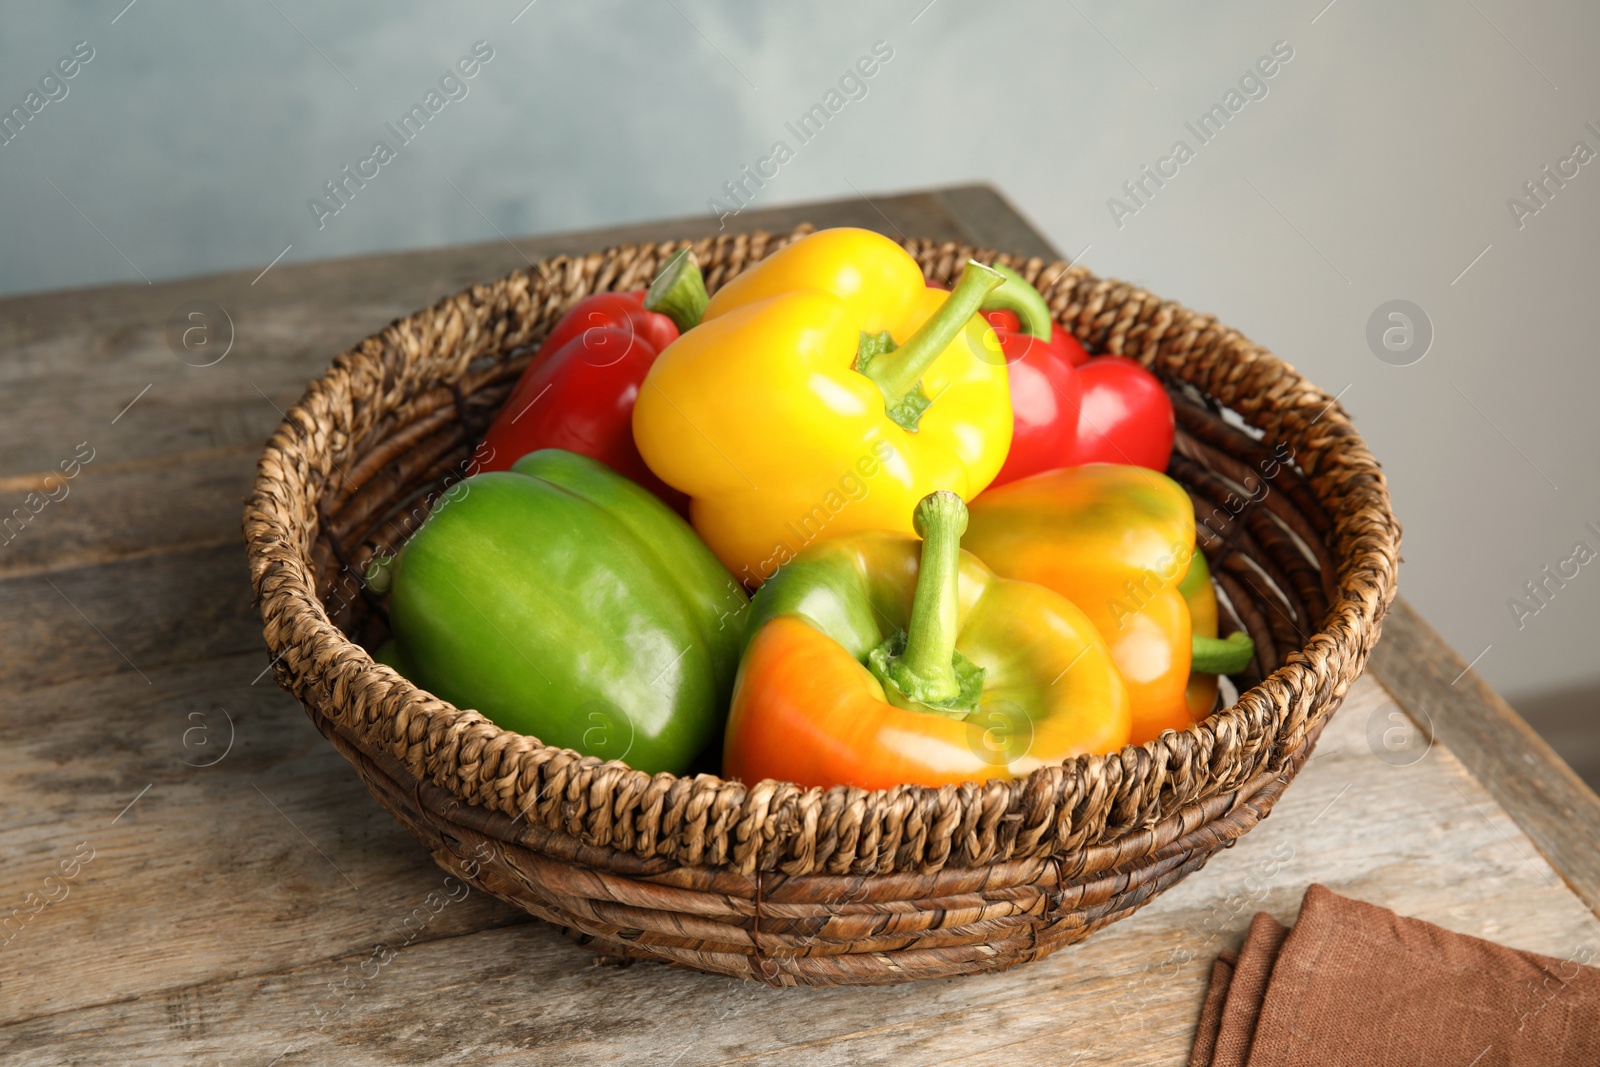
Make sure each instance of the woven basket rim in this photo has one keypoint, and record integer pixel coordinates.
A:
(707, 820)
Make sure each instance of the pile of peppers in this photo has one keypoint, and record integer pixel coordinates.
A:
(966, 562)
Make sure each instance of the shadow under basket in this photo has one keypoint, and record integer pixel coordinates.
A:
(770, 881)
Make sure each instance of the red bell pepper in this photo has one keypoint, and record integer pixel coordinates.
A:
(1045, 391)
(1045, 398)
(1015, 338)
(579, 391)
(1071, 409)
(1126, 416)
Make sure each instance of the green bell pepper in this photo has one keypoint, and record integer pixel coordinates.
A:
(565, 602)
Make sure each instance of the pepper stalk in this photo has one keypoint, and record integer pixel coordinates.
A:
(898, 369)
(679, 291)
(920, 668)
(1227, 655)
(380, 574)
(1017, 296)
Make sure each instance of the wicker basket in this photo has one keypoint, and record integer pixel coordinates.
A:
(769, 881)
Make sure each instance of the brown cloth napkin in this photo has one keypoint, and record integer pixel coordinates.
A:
(1356, 985)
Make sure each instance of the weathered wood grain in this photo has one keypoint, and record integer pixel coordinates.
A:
(131, 616)
(1552, 805)
(252, 846)
(113, 511)
(523, 994)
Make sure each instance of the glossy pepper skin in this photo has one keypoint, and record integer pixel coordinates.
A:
(1125, 417)
(564, 602)
(578, 392)
(1116, 541)
(875, 660)
(1071, 410)
(1046, 390)
(1045, 396)
(788, 417)
(1061, 344)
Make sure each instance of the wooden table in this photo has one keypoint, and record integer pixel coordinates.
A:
(193, 876)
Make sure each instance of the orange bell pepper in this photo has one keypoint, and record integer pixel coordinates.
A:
(875, 660)
(1117, 541)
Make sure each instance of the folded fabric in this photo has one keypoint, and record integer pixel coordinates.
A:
(1356, 985)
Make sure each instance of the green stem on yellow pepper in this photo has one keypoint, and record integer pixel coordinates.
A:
(1016, 295)
(1228, 655)
(898, 370)
(920, 668)
(679, 291)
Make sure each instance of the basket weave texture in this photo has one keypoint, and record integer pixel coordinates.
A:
(768, 880)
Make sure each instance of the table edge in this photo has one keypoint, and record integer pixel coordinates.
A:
(1451, 704)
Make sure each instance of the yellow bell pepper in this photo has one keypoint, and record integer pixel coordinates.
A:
(825, 391)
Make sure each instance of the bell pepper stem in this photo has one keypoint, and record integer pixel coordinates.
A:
(380, 574)
(679, 291)
(1228, 655)
(898, 371)
(940, 520)
(921, 669)
(1016, 295)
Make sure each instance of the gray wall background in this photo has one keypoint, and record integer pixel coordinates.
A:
(1378, 166)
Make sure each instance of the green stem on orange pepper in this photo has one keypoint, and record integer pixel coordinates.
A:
(920, 668)
(898, 369)
(1228, 655)
(679, 291)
